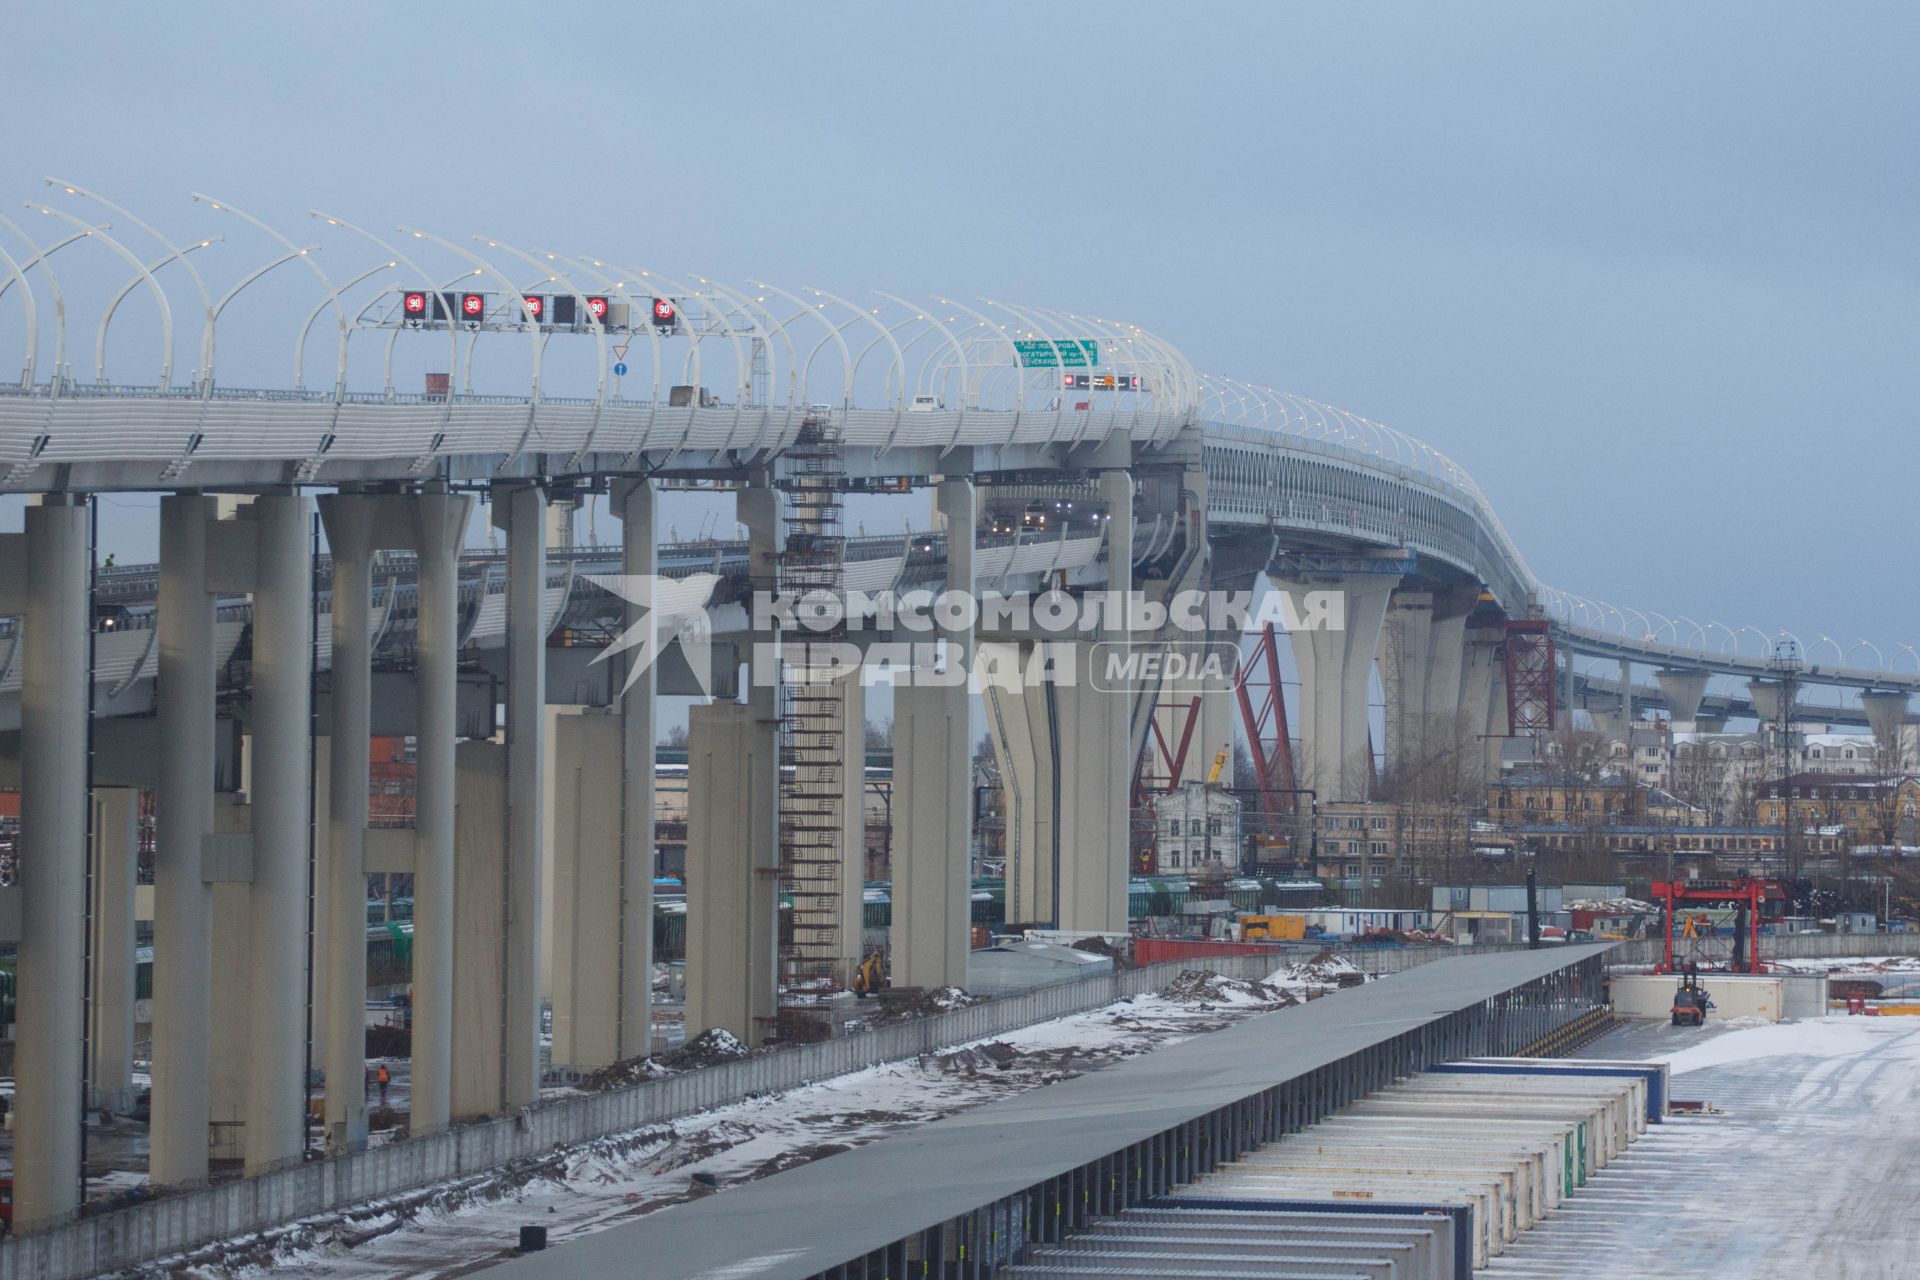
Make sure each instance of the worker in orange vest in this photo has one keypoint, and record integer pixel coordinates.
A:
(383, 1079)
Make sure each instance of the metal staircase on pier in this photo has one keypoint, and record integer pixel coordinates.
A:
(814, 738)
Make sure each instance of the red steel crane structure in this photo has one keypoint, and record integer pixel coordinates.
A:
(1753, 900)
(1529, 667)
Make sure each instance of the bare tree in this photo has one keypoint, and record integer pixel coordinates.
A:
(1703, 777)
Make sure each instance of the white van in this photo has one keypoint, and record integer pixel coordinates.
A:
(925, 404)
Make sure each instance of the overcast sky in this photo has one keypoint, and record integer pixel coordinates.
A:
(1648, 271)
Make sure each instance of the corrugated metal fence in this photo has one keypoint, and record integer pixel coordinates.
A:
(176, 1223)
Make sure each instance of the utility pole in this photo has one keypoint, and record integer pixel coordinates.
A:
(1784, 665)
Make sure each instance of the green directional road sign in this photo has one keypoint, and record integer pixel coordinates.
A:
(1045, 353)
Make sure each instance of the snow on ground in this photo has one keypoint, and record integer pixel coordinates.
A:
(452, 1230)
(1850, 964)
(1806, 1169)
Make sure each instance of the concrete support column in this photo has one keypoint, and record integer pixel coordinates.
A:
(932, 822)
(1887, 716)
(1094, 781)
(1447, 660)
(633, 504)
(520, 511)
(1767, 697)
(732, 893)
(279, 790)
(1097, 750)
(1626, 697)
(1334, 664)
(116, 852)
(349, 523)
(1406, 650)
(49, 1026)
(585, 909)
(1219, 714)
(183, 819)
(1020, 722)
(1683, 690)
(1483, 700)
(440, 523)
(479, 947)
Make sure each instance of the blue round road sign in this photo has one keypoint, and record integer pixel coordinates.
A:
(620, 370)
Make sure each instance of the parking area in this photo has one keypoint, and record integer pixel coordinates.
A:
(1804, 1167)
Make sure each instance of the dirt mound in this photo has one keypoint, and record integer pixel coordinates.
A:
(708, 1049)
(927, 1004)
(972, 1059)
(1320, 975)
(1324, 970)
(625, 1072)
(1198, 986)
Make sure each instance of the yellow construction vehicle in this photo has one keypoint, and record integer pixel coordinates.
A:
(870, 976)
(1277, 928)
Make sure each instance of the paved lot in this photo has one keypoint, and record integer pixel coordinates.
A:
(1810, 1170)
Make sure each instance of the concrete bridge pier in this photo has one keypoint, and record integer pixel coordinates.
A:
(520, 512)
(1483, 696)
(1020, 721)
(633, 502)
(1334, 665)
(1683, 689)
(733, 799)
(439, 528)
(1093, 783)
(47, 586)
(278, 788)
(1422, 659)
(183, 826)
(933, 827)
(1887, 715)
(1406, 649)
(585, 911)
(1768, 697)
(603, 824)
(1446, 660)
(349, 520)
(116, 853)
(732, 865)
(1097, 747)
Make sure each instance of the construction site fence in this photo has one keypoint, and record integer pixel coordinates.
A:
(179, 1223)
(1791, 946)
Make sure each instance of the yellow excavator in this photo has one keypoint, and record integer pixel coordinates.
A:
(870, 977)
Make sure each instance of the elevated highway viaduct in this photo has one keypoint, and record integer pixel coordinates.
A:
(241, 679)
